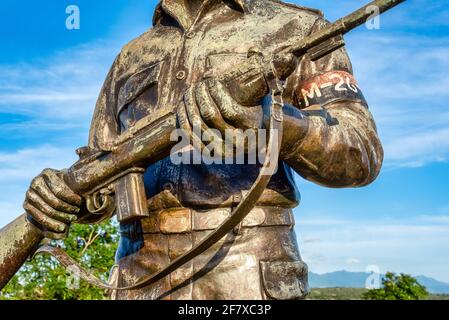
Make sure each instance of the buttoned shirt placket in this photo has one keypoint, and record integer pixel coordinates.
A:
(183, 66)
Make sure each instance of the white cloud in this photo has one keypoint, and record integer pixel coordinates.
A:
(18, 168)
(352, 261)
(434, 219)
(400, 245)
(26, 163)
(23, 128)
(310, 239)
(405, 80)
(321, 221)
(419, 148)
(61, 87)
(44, 97)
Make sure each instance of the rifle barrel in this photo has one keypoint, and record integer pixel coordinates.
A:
(342, 26)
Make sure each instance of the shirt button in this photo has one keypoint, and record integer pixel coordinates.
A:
(168, 187)
(190, 35)
(180, 75)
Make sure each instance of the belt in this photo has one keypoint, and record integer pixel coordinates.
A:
(270, 198)
(185, 220)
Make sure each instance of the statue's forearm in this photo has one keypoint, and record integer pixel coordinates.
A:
(340, 150)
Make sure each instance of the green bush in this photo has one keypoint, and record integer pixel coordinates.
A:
(93, 246)
(397, 287)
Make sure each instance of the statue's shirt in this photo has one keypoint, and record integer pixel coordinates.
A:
(153, 71)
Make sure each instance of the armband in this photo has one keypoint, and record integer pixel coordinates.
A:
(329, 87)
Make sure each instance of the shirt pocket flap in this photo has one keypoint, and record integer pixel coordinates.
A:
(219, 63)
(138, 83)
(284, 280)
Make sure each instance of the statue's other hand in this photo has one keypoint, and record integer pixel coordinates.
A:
(51, 204)
(208, 113)
(220, 110)
(218, 103)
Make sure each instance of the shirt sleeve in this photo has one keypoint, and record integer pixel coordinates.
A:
(341, 147)
(104, 126)
(103, 130)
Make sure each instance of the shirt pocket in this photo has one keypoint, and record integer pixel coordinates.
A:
(219, 63)
(245, 85)
(139, 96)
(284, 280)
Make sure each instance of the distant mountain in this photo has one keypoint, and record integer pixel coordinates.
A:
(346, 279)
(432, 285)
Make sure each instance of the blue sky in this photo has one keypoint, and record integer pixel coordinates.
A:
(50, 78)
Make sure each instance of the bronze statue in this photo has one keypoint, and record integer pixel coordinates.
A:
(220, 230)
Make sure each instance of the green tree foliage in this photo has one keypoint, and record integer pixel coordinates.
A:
(93, 246)
(397, 287)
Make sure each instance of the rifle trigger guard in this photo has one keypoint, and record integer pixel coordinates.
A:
(100, 202)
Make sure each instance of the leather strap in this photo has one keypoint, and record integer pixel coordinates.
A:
(273, 110)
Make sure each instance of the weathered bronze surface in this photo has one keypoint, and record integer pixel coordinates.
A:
(211, 62)
(18, 240)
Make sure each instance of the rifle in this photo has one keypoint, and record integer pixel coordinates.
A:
(100, 175)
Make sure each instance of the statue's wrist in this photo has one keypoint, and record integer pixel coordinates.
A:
(294, 132)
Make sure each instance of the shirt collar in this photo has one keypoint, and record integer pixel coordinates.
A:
(177, 10)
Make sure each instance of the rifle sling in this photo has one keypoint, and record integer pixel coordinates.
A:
(275, 114)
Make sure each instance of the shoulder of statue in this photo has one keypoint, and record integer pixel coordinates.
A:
(135, 43)
(296, 7)
(155, 41)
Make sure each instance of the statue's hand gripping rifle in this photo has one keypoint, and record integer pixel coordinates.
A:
(101, 176)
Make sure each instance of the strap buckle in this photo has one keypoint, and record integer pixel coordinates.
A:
(277, 88)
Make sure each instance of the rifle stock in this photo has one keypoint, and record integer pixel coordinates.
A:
(18, 241)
